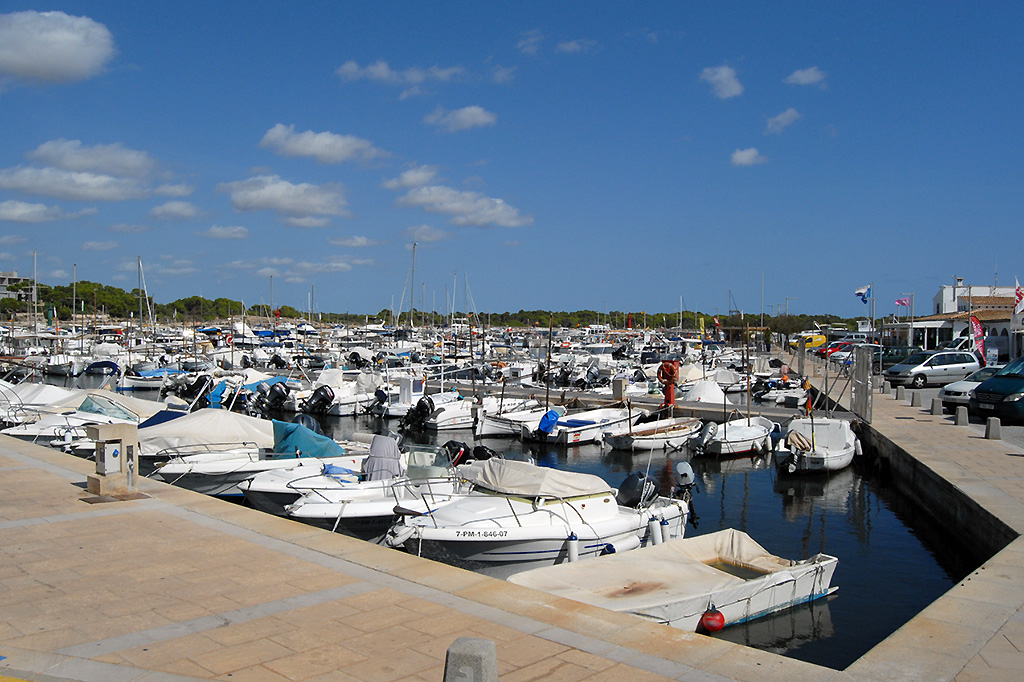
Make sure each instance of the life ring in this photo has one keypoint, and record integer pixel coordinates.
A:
(228, 340)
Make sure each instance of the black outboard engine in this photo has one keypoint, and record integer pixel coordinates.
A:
(419, 413)
(309, 422)
(638, 490)
(482, 452)
(276, 395)
(277, 362)
(319, 402)
(356, 360)
(639, 376)
(458, 452)
(257, 405)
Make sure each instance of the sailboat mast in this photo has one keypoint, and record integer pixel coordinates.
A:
(412, 287)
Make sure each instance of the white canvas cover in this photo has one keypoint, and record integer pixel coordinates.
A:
(666, 582)
(206, 426)
(706, 391)
(522, 479)
(829, 434)
(32, 394)
(330, 377)
(691, 372)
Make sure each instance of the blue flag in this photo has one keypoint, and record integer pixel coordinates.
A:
(864, 293)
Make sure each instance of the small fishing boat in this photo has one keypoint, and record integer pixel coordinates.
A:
(737, 436)
(821, 444)
(670, 433)
(579, 427)
(699, 583)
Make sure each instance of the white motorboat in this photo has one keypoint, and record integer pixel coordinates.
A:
(509, 423)
(522, 516)
(220, 473)
(737, 436)
(579, 427)
(822, 444)
(682, 582)
(670, 433)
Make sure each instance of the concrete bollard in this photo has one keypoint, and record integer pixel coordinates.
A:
(885, 387)
(469, 658)
(937, 407)
(915, 400)
(993, 429)
(962, 419)
(901, 393)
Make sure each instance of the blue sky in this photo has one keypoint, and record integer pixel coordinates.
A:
(564, 156)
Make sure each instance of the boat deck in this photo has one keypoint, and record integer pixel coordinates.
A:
(178, 586)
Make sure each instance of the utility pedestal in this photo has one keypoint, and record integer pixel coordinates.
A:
(117, 459)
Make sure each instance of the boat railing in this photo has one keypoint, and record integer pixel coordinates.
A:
(202, 449)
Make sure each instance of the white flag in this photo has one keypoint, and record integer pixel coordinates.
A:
(1019, 300)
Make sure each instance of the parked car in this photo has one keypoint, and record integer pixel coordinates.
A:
(824, 350)
(887, 356)
(842, 354)
(959, 392)
(1002, 394)
(812, 341)
(933, 367)
(840, 346)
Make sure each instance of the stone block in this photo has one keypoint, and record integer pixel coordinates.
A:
(937, 407)
(111, 484)
(915, 399)
(471, 660)
(901, 393)
(962, 418)
(993, 429)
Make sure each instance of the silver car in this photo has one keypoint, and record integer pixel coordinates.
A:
(933, 367)
(959, 392)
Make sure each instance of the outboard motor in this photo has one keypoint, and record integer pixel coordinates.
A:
(257, 405)
(639, 376)
(637, 491)
(698, 444)
(277, 394)
(355, 360)
(482, 452)
(419, 413)
(277, 362)
(686, 485)
(457, 451)
(309, 422)
(319, 402)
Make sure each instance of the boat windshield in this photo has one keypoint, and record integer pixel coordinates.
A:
(94, 404)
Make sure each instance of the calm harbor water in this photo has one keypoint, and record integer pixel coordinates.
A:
(893, 558)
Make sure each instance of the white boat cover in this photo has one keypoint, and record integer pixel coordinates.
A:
(706, 391)
(829, 435)
(665, 582)
(513, 477)
(143, 408)
(691, 372)
(32, 394)
(207, 426)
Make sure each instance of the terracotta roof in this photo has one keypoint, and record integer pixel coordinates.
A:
(988, 315)
(989, 300)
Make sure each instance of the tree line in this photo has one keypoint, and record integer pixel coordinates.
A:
(94, 299)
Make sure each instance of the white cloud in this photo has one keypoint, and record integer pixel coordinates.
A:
(776, 124)
(414, 177)
(6, 255)
(59, 274)
(111, 159)
(297, 202)
(175, 210)
(98, 246)
(723, 81)
(219, 232)
(170, 267)
(810, 76)
(324, 147)
(12, 240)
(530, 42)
(461, 119)
(412, 78)
(503, 74)
(307, 221)
(52, 46)
(572, 46)
(466, 208)
(353, 242)
(23, 212)
(748, 157)
(174, 190)
(426, 233)
(76, 186)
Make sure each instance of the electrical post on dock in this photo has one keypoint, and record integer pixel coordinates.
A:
(117, 459)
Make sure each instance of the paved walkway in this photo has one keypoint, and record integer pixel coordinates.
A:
(178, 586)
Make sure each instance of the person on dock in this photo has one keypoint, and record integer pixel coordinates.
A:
(668, 373)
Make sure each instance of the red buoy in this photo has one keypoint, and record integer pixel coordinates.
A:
(713, 620)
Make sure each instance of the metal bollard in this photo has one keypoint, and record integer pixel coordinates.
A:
(471, 660)
(915, 400)
(962, 418)
(937, 407)
(993, 429)
(901, 393)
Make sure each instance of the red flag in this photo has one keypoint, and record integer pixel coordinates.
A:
(979, 337)
(716, 322)
(1018, 304)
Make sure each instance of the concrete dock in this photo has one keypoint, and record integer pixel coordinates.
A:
(178, 586)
